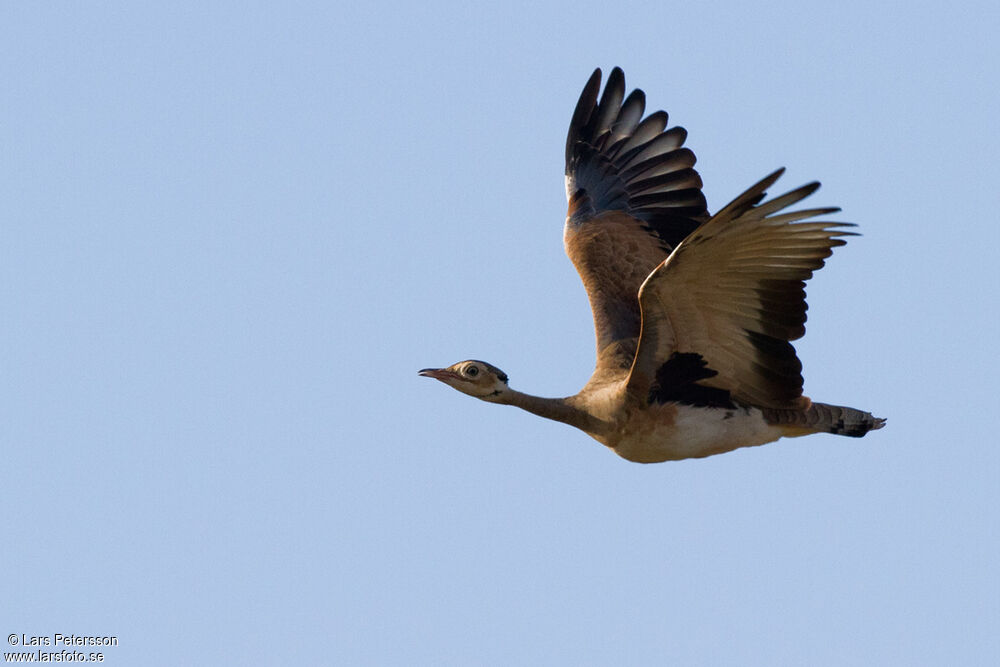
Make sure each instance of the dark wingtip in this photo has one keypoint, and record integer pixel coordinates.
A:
(761, 187)
(809, 188)
(616, 77)
(624, 162)
(752, 196)
(584, 108)
(771, 178)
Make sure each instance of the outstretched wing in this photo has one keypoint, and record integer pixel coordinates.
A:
(633, 196)
(718, 314)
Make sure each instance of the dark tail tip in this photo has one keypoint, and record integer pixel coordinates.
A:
(855, 427)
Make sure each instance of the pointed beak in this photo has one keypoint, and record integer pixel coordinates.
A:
(436, 373)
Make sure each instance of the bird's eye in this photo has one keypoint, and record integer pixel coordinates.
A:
(472, 371)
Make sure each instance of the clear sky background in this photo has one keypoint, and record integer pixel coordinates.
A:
(233, 232)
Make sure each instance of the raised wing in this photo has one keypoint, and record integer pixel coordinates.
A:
(633, 196)
(718, 314)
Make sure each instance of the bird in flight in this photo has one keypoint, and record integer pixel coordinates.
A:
(694, 313)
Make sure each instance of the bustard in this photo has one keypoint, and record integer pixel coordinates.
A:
(693, 313)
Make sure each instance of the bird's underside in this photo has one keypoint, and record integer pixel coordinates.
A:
(694, 314)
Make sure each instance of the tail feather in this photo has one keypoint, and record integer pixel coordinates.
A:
(823, 418)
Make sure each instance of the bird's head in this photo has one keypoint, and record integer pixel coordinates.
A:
(475, 378)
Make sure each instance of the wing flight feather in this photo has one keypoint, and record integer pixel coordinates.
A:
(732, 297)
(633, 197)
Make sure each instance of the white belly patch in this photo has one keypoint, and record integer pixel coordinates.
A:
(673, 432)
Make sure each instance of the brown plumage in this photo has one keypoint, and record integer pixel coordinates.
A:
(694, 314)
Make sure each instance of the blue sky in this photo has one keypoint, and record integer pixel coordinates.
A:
(233, 232)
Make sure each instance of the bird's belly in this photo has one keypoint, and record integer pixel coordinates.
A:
(672, 432)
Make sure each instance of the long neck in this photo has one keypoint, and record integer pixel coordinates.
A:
(558, 409)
